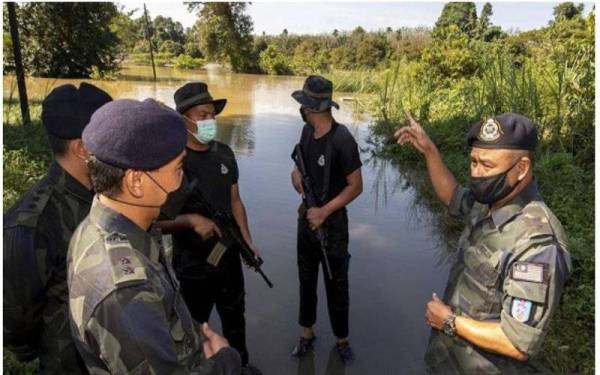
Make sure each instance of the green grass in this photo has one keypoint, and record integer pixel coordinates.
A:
(564, 166)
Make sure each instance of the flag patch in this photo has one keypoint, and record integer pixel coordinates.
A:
(535, 272)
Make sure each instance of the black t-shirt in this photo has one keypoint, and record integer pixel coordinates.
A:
(216, 171)
(345, 159)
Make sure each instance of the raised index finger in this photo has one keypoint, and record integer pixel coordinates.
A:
(409, 118)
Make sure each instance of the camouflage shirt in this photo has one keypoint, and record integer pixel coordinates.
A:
(126, 312)
(512, 265)
(37, 230)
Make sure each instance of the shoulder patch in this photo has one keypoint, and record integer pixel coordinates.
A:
(125, 263)
(521, 309)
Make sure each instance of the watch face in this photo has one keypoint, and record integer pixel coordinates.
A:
(448, 330)
(449, 327)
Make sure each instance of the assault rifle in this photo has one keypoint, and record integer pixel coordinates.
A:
(310, 201)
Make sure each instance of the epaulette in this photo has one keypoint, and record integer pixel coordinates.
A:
(126, 266)
(33, 205)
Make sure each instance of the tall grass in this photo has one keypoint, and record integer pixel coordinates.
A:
(558, 94)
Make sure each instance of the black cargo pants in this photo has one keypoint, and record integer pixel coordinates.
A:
(223, 286)
(309, 258)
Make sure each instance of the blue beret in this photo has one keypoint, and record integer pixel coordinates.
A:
(130, 134)
(507, 131)
(67, 110)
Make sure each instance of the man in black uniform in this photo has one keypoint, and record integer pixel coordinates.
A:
(333, 163)
(37, 230)
(213, 165)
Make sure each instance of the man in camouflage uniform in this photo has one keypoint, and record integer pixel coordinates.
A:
(513, 259)
(126, 312)
(37, 230)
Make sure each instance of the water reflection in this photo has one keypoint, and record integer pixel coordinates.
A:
(394, 177)
(237, 131)
(335, 366)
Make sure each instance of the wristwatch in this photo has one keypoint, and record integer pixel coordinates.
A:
(449, 326)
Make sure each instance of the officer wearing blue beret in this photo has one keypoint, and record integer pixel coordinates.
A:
(37, 230)
(125, 309)
(513, 258)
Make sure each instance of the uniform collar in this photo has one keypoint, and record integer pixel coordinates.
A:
(146, 242)
(64, 181)
(515, 206)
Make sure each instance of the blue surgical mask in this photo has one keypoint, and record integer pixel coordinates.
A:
(207, 130)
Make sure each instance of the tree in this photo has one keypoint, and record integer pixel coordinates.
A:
(171, 47)
(69, 39)
(310, 57)
(567, 11)
(371, 50)
(128, 30)
(463, 15)
(450, 56)
(484, 20)
(16, 44)
(166, 29)
(225, 33)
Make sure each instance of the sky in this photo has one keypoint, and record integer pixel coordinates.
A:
(319, 17)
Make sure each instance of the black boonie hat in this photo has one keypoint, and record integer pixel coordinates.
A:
(316, 94)
(506, 131)
(130, 134)
(196, 93)
(67, 109)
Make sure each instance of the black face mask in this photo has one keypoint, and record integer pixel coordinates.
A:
(491, 189)
(145, 205)
(304, 118)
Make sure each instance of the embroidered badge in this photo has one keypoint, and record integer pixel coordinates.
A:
(321, 161)
(526, 271)
(490, 131)
(521, 309)
(224, 169)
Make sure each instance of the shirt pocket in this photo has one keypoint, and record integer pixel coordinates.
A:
(480, 292)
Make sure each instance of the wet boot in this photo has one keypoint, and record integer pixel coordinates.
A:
(345, 351)
(303, 346)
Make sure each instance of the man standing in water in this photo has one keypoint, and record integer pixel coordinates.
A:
(126, 313)
(333, 163)
(212, 164)
(513, 258)
(37, 230)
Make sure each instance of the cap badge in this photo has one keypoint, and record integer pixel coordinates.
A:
(490, 131)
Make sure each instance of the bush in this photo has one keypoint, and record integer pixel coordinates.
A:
(187, 62)
(274, 62)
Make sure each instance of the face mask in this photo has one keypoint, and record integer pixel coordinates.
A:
(491, 189)
(144, 205)
(207, 130)
(303, 116)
